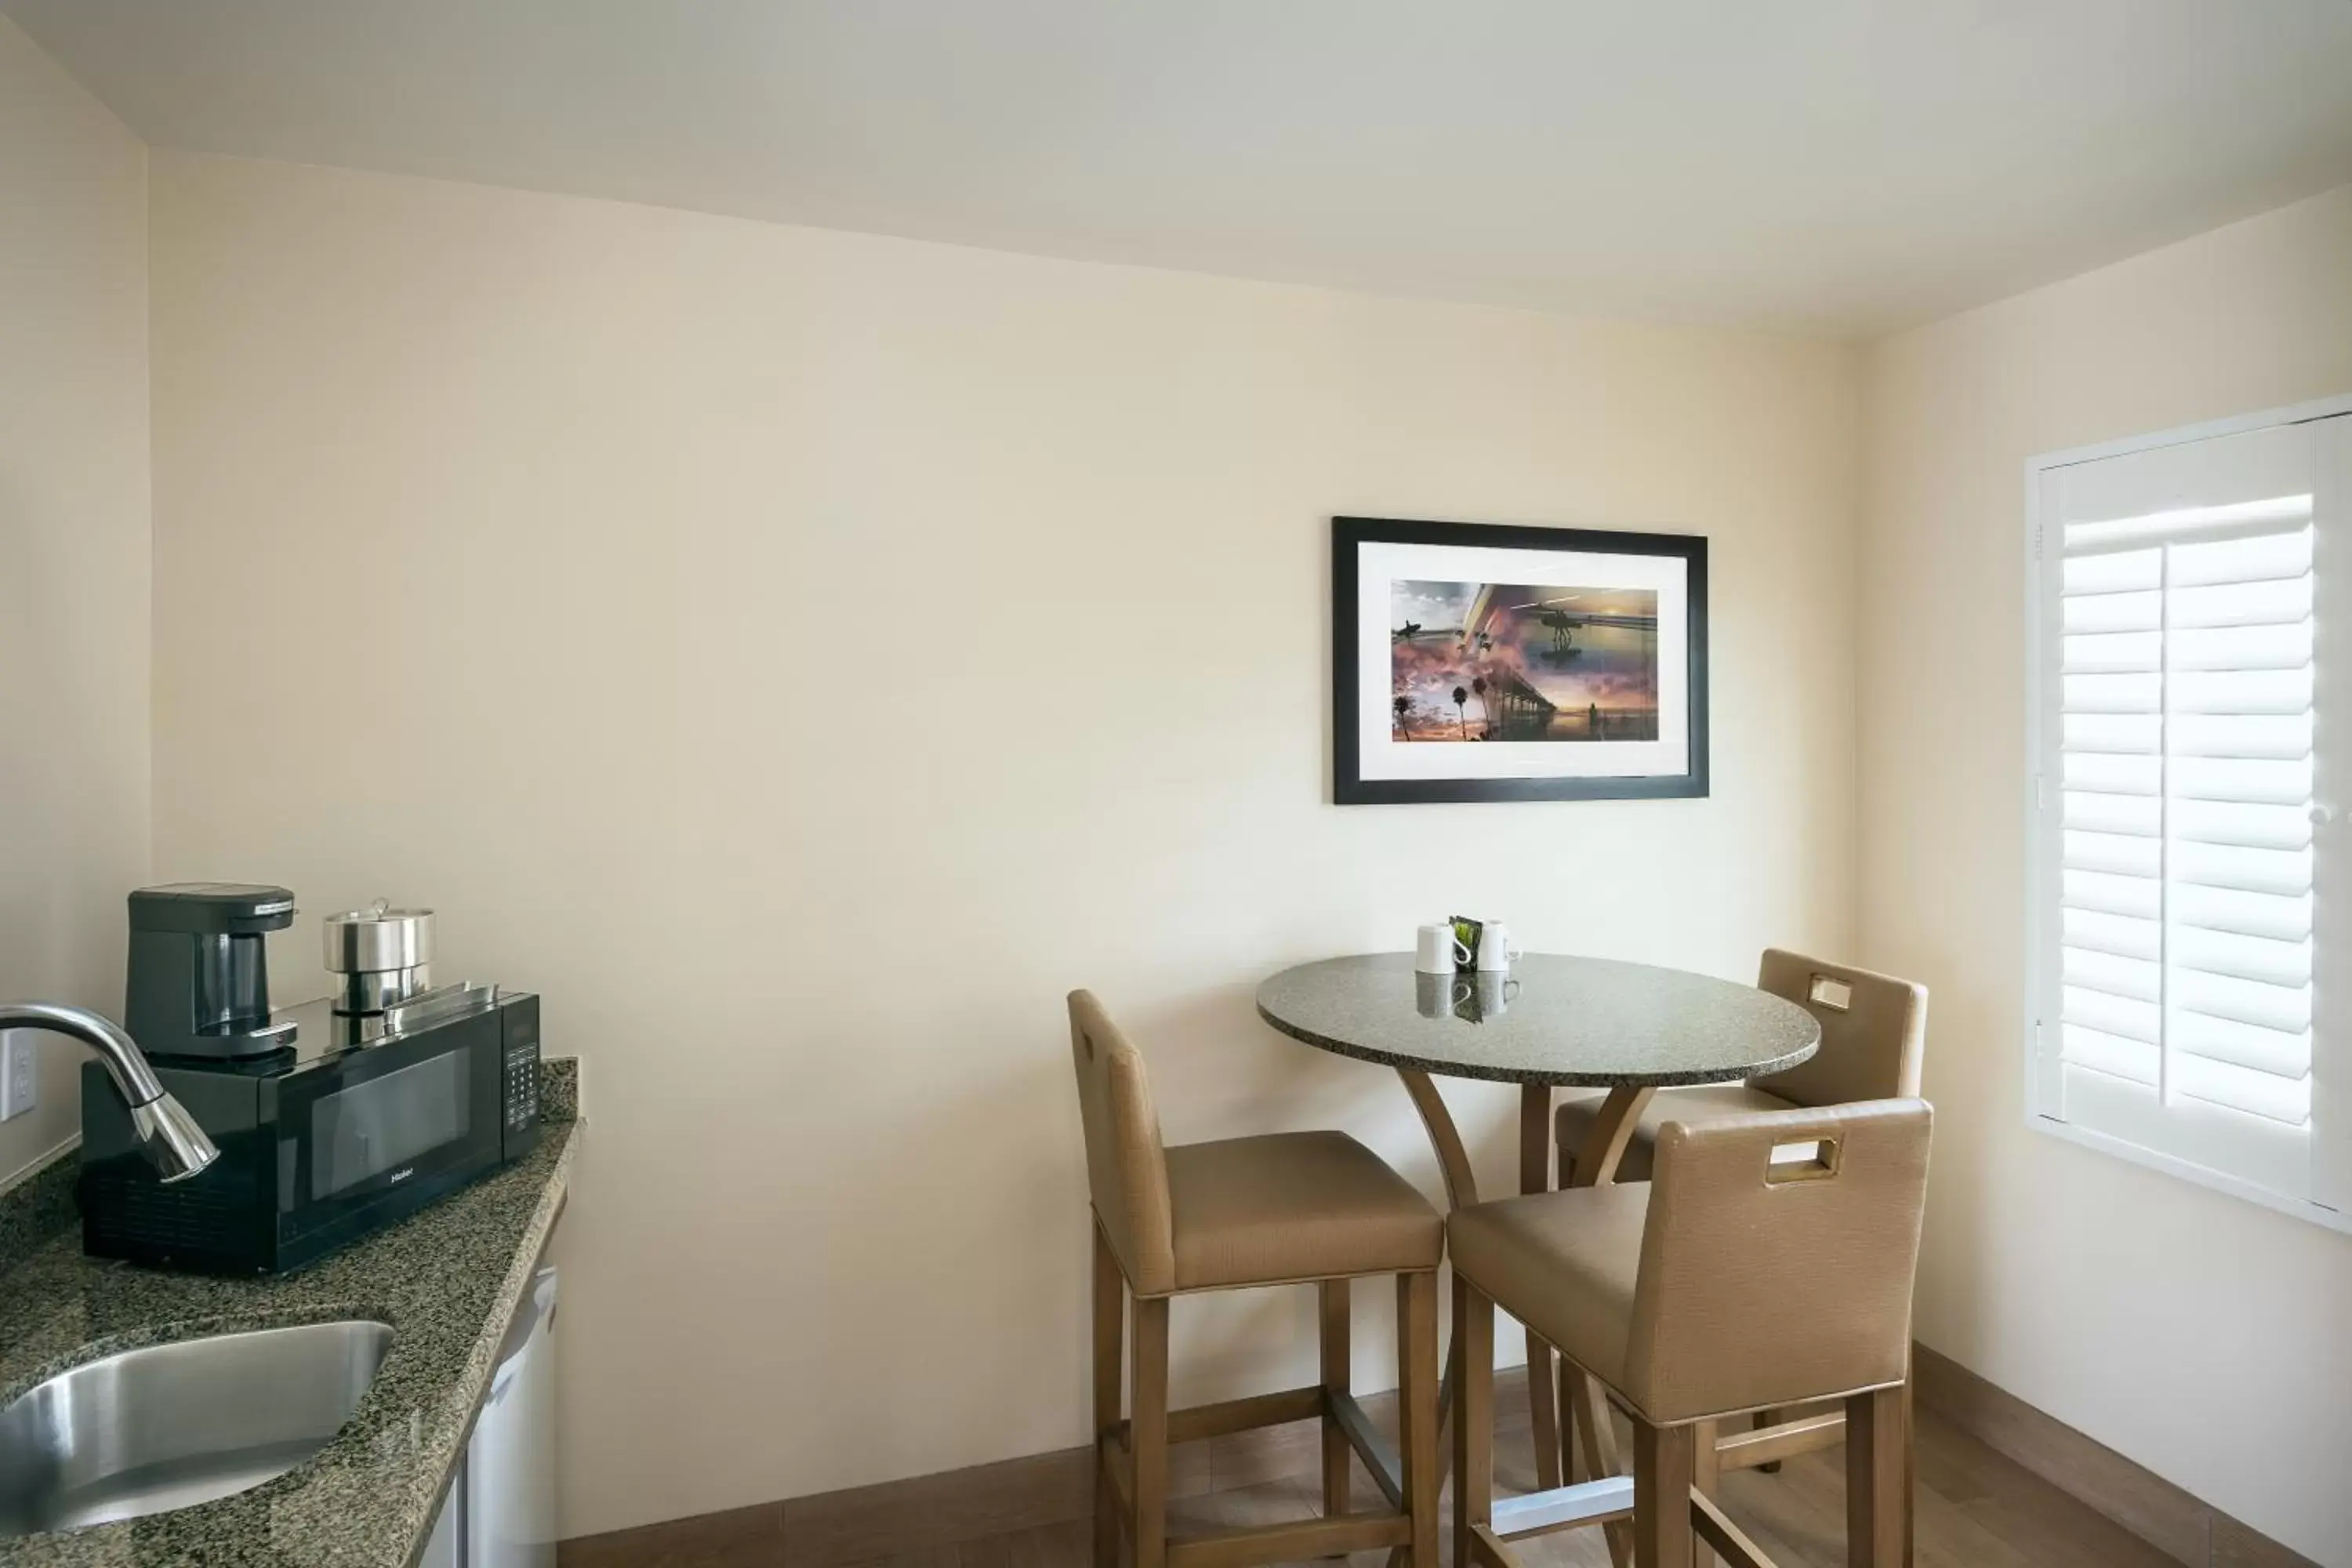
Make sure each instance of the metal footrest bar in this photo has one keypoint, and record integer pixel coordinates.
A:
(1564, 1508)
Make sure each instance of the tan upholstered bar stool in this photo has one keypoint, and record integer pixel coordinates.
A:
(1286, 1208)
(1769, 1262)
(1874, 1037)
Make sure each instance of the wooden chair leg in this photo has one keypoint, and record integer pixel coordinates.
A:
(1473, 1416)
(1107, 1524)
(1570, 1375)
(1599, 1440)
(1663, 1461)
(1910, 1474)
(1875, 1526)
(1706, 1475)
(1147, 1433)
(1757, 1422)
(1111, 1309)
(1337, 1455)
(1534, 1177)
(1417, 1408)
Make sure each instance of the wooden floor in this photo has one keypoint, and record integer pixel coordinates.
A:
(1977, 1510)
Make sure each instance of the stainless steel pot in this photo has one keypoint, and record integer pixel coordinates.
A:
(382, 956)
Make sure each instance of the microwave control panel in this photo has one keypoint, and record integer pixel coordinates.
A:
(522, 1085)
(522, 1072)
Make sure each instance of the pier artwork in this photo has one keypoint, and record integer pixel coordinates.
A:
(1518, 662)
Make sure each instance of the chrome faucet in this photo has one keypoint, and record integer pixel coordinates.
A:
(167, 1134)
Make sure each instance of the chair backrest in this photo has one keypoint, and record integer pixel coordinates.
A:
(1772, 1282)
(1127, 1168)
(1873, 1031)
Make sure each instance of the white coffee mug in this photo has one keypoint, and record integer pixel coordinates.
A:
(1437, 951)
(1495, 949)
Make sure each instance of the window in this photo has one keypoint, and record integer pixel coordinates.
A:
(2189, 665)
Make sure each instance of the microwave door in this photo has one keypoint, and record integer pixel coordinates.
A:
(373, 1133)
(411, 1114)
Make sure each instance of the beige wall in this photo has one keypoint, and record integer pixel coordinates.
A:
(2202, 1335)
(73, 558)
(806, 655)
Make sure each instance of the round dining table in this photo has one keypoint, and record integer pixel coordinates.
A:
(1554, 1021)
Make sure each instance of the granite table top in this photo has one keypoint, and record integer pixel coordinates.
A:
(447, 1279)
(1588, 1022)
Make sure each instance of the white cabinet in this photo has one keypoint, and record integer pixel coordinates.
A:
(511, 1463)
(447, 1546)
(500, 1510)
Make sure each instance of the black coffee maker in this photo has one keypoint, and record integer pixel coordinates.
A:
(199, 975)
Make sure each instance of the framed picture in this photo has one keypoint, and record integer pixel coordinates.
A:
(1477, 662)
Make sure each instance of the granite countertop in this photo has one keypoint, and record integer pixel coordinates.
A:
(447, 1279)
(1554, 1019)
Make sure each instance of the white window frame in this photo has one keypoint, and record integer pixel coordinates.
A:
(2036, 468)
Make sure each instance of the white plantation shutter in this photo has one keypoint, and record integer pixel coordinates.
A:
(2185, 707)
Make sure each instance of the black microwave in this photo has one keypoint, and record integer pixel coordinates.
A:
(359, 1122)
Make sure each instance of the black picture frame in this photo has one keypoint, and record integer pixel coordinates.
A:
(1349, 787)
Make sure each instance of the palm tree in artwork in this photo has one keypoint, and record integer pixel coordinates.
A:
(1400, 704)
(1461, 710)
(1485, 709)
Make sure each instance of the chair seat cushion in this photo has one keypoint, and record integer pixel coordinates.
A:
(1294, 1205)
(1702, 1103)
(1563, 1264)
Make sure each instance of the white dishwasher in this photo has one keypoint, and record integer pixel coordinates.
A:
(500, 1512)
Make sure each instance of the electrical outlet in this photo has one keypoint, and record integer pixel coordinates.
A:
(20, 1072)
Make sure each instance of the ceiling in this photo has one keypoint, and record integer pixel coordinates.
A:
(1839, 166)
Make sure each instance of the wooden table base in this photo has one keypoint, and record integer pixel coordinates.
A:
(1566, 1391)
(1596, 1162)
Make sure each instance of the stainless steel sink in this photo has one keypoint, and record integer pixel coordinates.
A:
(172, 1426)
